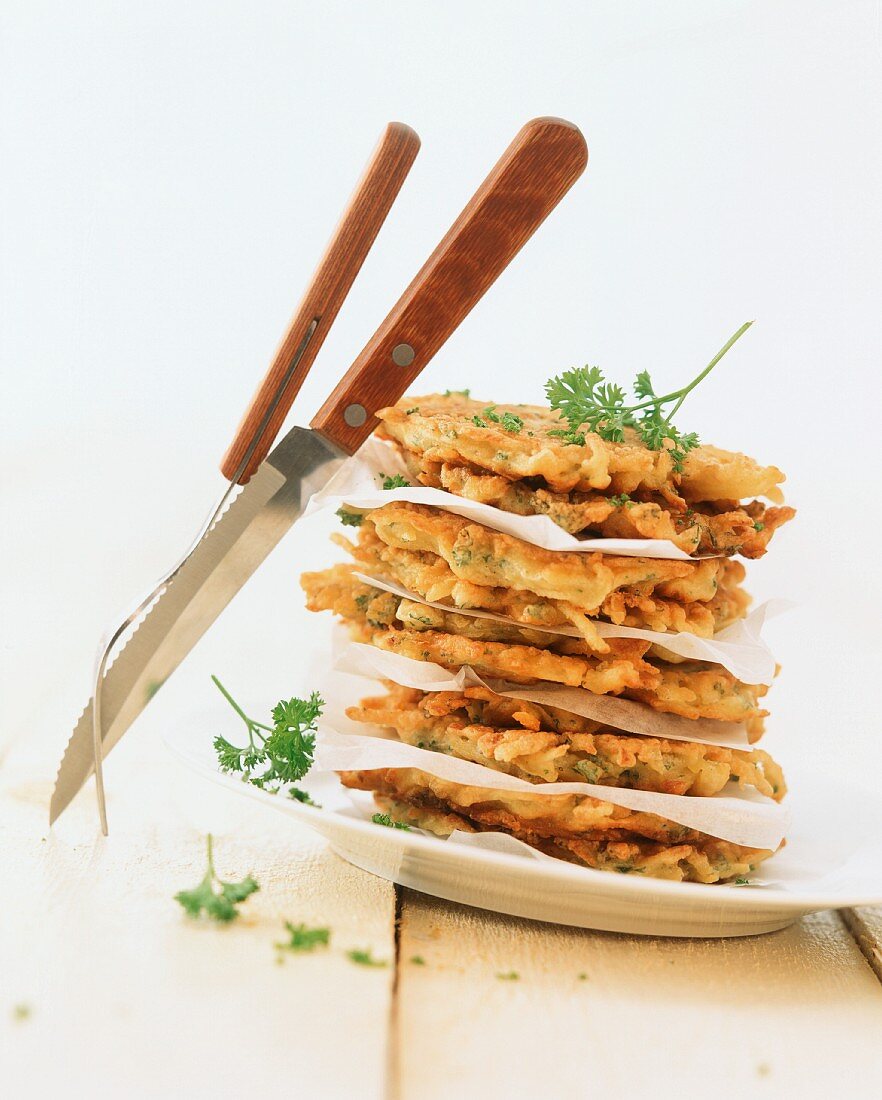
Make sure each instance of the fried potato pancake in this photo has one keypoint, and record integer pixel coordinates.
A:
(523, 739)
(721, 527)
(691, 689)
(576, 828)
(445, 429)
(430, 577)
(490, 558)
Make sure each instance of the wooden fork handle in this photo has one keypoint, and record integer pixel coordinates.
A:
(350, 244)
(535, 172)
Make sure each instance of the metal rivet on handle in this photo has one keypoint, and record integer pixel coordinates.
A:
(355, 415)
(402, 355)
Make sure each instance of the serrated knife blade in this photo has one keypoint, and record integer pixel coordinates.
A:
(243, 536)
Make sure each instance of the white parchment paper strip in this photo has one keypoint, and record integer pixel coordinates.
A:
(356, 484)
(622, 714)
(739, 648)
(755, 823)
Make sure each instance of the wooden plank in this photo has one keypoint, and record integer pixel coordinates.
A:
(794, 1013)
(109, 990)
(866, 927)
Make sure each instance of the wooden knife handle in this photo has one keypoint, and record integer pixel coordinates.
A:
(346, 252)
(534, 173)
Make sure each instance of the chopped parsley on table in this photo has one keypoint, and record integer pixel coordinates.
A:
(302, 938)
(214, 897)
(364, 958)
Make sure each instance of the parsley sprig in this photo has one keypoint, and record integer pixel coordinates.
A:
(278, 754)
(213, 896)
(586, 400)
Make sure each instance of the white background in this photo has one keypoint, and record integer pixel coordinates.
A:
(170, 174)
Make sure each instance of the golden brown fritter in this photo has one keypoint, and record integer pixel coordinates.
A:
(443, 429)
(490, 558)
(530, 742)
(689, 689)
(722, 527)
(576, 828)
(430, 577)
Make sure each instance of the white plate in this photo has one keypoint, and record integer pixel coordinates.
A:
(833, 859)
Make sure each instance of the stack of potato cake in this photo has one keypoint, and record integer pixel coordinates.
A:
(546, 621)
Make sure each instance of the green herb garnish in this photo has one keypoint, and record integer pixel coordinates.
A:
(364, 958)
(214, 897)
(509, 976)
(283, 752)
(350, 519)
(303, 939)
(302, 796)
(621, 501)
(585, 399)
(457, 393)
(396, 481)
(385, 819)
(741, 881)
(417, 960)
(478, 422)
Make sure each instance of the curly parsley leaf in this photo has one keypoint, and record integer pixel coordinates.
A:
(274, 755)
(302, 939)
(585, 399)
(214, 897)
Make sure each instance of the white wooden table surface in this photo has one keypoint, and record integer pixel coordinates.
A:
(107, 990)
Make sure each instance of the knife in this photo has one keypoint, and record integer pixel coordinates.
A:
(361, 222)
(546, 157)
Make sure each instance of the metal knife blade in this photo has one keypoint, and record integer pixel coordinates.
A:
(220, 565)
